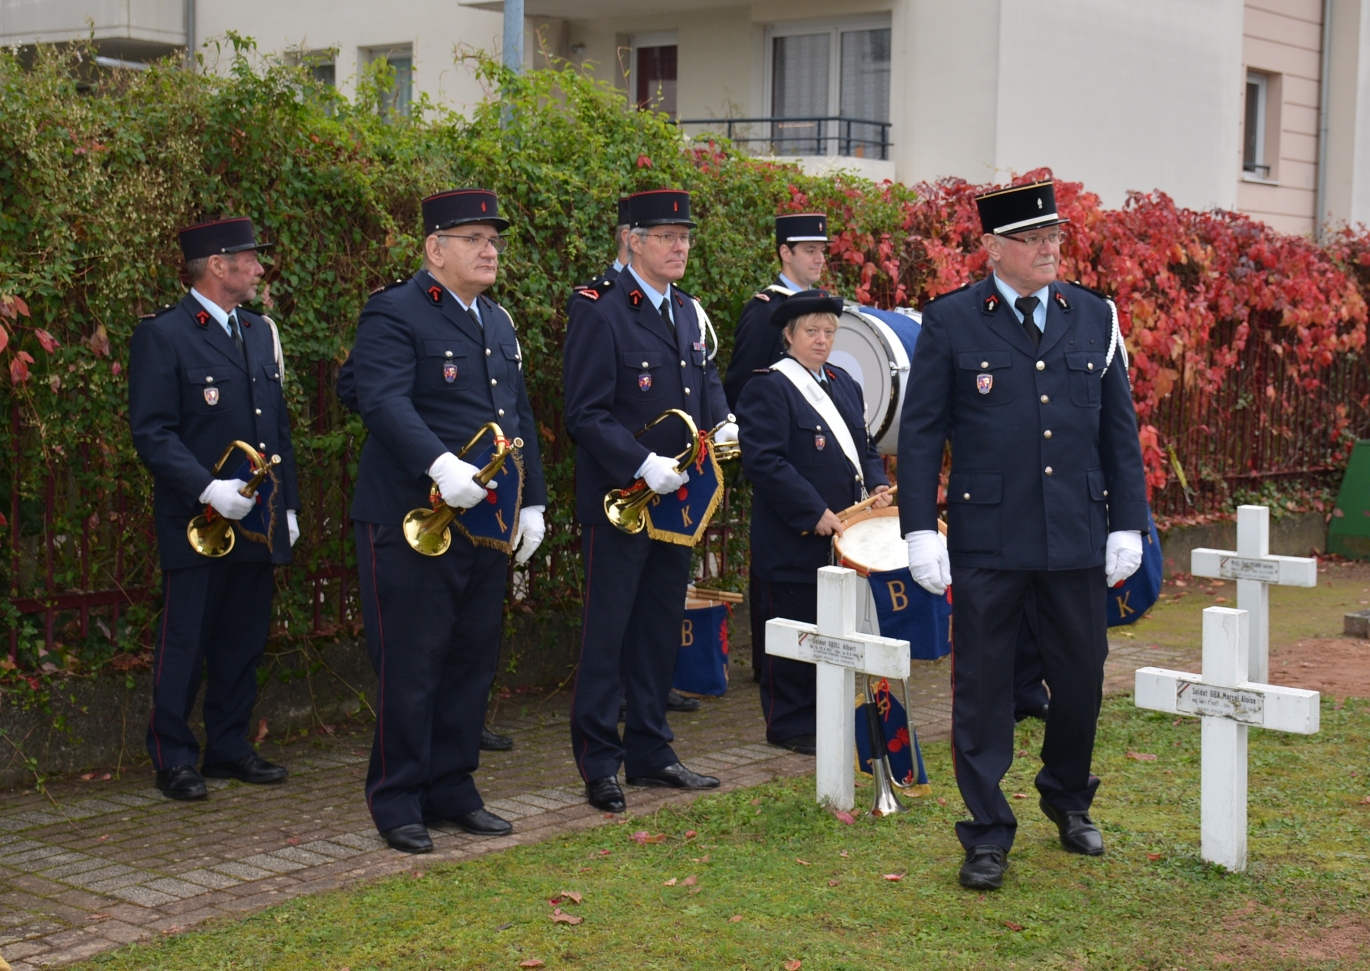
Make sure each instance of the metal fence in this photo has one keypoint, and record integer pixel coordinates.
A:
(816, 135)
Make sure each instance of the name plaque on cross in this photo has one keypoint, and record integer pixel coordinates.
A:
(839, 651)
(1194, 698)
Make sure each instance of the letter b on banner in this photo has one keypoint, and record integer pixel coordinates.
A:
(898, 598)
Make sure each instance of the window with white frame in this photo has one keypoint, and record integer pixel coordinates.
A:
(828, 87)
(1255, 160)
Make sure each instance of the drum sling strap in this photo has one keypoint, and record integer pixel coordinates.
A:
(802, 379)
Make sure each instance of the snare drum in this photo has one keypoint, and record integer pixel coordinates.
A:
(875, 347)
(871, 542)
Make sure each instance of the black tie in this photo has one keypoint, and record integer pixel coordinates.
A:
(823, 383)
(665, 311)
(470, 312)
(1026, 306)
(236, 334)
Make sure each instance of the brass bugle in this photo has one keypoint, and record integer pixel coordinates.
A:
(427, 530)
(210, 533)
(625, 507)
(886, 802)
(724, 451)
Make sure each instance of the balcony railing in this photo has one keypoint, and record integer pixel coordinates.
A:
(818, 135)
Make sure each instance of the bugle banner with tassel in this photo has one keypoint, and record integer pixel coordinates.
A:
(682, 516)
(493, 522)
(904, 755)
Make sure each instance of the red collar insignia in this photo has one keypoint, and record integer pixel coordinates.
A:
(435, 294)
(635, 298)
(991, 303)
(1061, 299)
(202, 318)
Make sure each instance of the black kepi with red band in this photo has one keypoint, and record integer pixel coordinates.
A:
(660, 207)
(1019, 208)
(459, 207)
(220, 237)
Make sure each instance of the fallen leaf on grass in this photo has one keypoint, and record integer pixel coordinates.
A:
(605, 852)
(559, 918)
(941, 801)
(87, 776)
(102, 838)
(1220, 600)
(106, 777)
(845, 817)
(833, 883)
(1153, 857)
(690, 834)
(842, 853)
(642, 837)
(1142, 756)
(734, 918)
(669, 883)
(568, 895)
(794, 965)
(802, 862)
(260, 737)
(1012, 926)
(756, 802)
(1366, 801)
(695, 890)
(531, 963)
(504, 927)
(1020, 795)
(689, 881)
(700, 859)
(894, 877)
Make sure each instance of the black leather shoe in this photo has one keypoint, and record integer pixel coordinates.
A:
(409, 838)
(1078, 832)
(984, 867)
(483, 822)
(181, 782)
(675, 776)
(1038, 712)
(605, 795)
(803, 744)
(250, 768)
(490, 742)
(675, 701)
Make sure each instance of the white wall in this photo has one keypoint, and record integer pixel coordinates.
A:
(30, 21)
(434, 29)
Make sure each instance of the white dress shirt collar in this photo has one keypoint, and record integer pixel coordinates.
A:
(215, 311)
(1039, 315)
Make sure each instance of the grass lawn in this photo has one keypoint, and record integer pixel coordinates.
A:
(764, 879)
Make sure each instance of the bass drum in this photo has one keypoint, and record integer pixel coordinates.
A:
(875, 348)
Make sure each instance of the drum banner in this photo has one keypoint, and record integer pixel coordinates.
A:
(1130, 600)
(682, 516)
(494, 522)
(259, 525)
(901, 743)
(701, 664)
(908, 612)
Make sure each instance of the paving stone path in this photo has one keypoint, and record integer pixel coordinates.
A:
(93, 865)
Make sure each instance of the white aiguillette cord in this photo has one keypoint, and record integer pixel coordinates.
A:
(802, 379)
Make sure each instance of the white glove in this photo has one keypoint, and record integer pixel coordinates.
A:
(928, 560)
(293, 525)
(726, 433)
(456, 481)
(532, 528)
(661, 476)
(1122, 555)
(223, 495)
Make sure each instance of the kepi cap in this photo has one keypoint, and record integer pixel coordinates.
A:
(461, 206)
(1018, 208)
(806, 302)
(801, 227)
(625, 211)
(660, 207)
(220, 236)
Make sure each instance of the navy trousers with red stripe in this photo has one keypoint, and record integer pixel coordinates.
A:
(433, 631)
(630, 634)
(214, 617)
(789, 692)
(1071, 622)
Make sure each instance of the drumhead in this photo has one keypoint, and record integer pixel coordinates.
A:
(875, 347)
(871, 542)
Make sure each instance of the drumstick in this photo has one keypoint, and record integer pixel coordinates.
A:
(726, 596)
(866, 503)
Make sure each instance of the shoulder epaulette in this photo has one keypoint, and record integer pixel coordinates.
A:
(1098, 293)
(386, 286)
(595, 290)
(158, 313)
(783, 291)
(684, 293)
(964, 286)
(763, 370)
(763, 296)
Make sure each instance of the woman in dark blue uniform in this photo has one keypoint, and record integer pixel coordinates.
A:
(807, 454)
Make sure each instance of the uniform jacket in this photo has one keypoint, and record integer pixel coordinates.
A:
(756, 342)
(190, 394)
(797, 469)
(620, 369)
(1045, 458)
(425, 377)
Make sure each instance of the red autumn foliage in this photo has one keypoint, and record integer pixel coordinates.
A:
(1245, 343)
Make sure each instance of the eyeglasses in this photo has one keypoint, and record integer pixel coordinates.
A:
(1035, 240)
(672, 239)
(500, 243)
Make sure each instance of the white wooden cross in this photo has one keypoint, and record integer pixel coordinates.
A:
(1228, 703)
(839, 651)
(1255, 570)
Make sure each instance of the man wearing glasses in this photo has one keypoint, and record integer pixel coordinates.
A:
(1046, 497)
(435, 360)
(634, 347)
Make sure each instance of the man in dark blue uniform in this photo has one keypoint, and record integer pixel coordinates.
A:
(634, 347)
(1028, 380)
(203, 374)
(801, 242)
(435, 360)
(807, 454)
